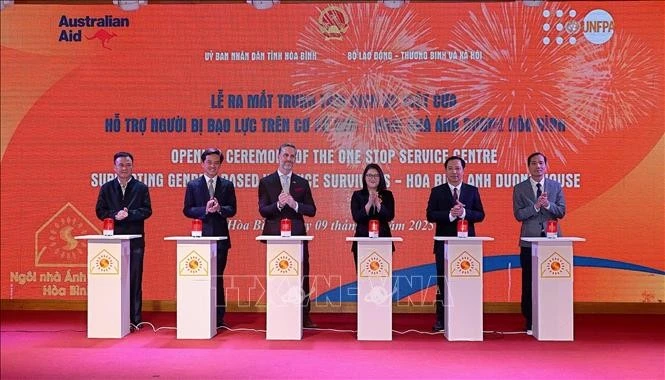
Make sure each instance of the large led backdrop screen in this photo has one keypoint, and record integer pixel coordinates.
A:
(349, 84)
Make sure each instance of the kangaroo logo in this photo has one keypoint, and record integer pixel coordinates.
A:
(103, 36)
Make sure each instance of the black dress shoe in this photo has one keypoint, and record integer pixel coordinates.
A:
(308, 323)
(438, 326)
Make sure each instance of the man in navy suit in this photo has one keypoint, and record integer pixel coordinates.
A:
(535, 201)
(127, 201)
(285, 195)
(213, 199)
(448, 203)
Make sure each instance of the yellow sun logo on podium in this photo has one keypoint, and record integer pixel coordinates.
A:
(465, 265)
(283, 265)
(555, 266)
(374, 266)
(193, 265)
(104, 263)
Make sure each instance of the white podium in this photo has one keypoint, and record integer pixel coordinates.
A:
(552, 287)
(108, 285)
(463, 259)
(284, 286)
(196, 274)
(375, 289)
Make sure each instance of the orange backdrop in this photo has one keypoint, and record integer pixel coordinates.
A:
(348, 84)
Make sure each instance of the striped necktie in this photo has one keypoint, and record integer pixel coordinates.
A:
(211, 188)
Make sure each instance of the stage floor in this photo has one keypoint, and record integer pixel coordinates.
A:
(53, 344)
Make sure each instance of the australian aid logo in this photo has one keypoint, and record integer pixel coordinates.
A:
(101, 29)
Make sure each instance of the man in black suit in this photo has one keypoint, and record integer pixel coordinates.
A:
(285, 195)
(448, 203)
(127, 201)
(213, 199)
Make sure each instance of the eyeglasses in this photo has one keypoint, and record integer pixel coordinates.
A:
(372, 176)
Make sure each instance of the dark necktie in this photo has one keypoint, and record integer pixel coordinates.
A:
(539, 192)
(455, 196)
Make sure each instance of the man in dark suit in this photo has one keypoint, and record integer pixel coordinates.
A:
(285, 195)
(448, 203)
(535, 201)
(213, 199)
(127, 201)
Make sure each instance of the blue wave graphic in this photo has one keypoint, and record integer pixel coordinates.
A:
(412, 280)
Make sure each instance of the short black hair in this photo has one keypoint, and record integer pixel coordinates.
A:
(212, 151)
(122, 154)
(445, 164)
(532, 155)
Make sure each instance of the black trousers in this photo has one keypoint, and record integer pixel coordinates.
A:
(222, 255)
(305, 279)
(525, 263)
(135, 284)
(440, 285)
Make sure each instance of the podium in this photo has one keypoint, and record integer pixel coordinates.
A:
(196, 274)
(375, 278)
(108, 285)
(463, 260)
(552, 287)
(284, 278)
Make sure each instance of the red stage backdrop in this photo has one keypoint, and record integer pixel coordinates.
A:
(349, 84)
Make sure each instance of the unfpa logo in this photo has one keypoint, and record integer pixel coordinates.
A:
(598, 26)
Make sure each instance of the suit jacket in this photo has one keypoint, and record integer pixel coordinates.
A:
(534, 221)
(361, 217)
(269, 189)
(441, 202)
(196, 198)
(137, 201)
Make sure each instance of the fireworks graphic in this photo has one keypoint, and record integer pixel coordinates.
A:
(624, 83)
(648, 296)
(367, 97)
(529, 77)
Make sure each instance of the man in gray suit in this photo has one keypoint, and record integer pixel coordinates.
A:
(535, 201)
